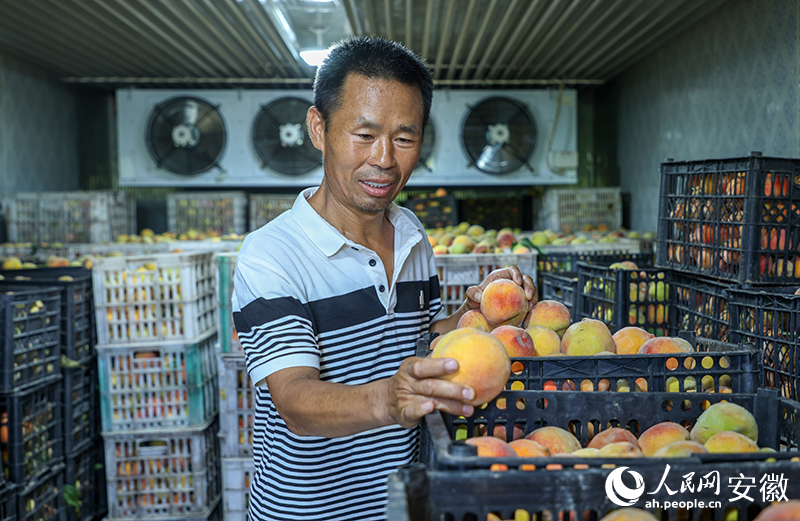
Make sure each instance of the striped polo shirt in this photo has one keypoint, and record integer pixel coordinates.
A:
(305, 295)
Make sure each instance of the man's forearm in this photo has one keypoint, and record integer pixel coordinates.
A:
(334, 410)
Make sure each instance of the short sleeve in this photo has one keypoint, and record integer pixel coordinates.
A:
(272, 321)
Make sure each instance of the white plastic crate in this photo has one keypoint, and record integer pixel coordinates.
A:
(459, 272)
(158, 385)
(574, 209)
(212, 245)
(222, 212)
(237, 474)
(237, 402)
(69, 216)
(228, 339)
(146, 298)
(159, 474)
(264, 208)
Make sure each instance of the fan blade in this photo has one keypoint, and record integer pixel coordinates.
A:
(489, 158)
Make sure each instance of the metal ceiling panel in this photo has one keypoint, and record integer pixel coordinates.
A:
(244, 43)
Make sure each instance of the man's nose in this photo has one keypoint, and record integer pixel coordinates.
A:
(383, 154)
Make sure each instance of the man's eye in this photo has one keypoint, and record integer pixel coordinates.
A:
(365, 136)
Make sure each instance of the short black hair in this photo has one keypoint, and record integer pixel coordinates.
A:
(375, 58)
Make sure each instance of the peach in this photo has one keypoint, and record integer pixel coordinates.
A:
(730, 442)
(474, 319)
(588, 452)
(724, 416)
(501, 431)
(465, 241)
(660, 435)
(12, 263)
(679, 449)
(663, 344)
(491, 447)
(503, 303)
(483, 363)
(529, 449)
(629, 339)
(630, 265)
(517, 341)
(556, 439)
(56, 262)
(587, 337)
(629, 514)
(620, 449)
(545, 341)
(612, 435)
(440, 249)
(781, 511)
(550, 314)
(685, 343)
(505, 238)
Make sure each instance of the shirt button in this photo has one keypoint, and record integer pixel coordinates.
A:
(381, 288)
(372, 262)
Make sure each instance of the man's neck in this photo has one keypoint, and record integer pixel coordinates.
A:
(370, 230)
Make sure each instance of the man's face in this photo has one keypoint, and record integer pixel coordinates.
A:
(372, 142)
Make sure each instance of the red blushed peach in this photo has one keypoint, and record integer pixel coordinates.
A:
(629, 339)
(505, 238)
(660, 435)
(529, 449)
(516, 340)
(782, 511)
(629, 514)
(556, 439)
(679, 449)
(730, 442)
(474, 319)
(587, 337)
(491, 447)
(503, 303)
(663, 344)
(483, 363)
(612, 435)
(550, 314)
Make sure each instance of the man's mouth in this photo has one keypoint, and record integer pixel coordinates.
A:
(376, 185)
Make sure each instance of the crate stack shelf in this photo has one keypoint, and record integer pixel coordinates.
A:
(81, 445)
(201, 212)
(31, 394)
(157, 369)
(236, 403)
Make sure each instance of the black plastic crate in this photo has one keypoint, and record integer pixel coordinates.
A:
(81, 407)
(78, 335)
(85, 483)
(715, 367)
(434, 212)
(769, 317)
(35, 430)
(700, 305)
(622, 298)
(8, 501)
(551, 261)
(30, 343)
(735, 219)
(561, 287)
(42, 499)
(584, 412)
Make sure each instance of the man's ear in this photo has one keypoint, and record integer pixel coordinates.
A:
(316, 127)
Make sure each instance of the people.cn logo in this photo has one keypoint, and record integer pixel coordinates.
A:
(619, 493)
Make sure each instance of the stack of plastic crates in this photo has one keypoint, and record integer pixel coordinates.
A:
(85, 489)
(237, 404)
(576, 209)
(264, 208)
(89, 217)
(31, 415)
(220, 212)
(453, 482)
(156, 327)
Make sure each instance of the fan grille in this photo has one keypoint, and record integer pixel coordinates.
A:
(281, 140)
(185, 135)
(499, 135)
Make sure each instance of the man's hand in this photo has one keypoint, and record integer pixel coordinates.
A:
(474, 293)
(415, 391)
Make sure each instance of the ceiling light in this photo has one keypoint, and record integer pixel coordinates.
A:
(314, 57)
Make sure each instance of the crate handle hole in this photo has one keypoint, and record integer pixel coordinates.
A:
(686, 405)
(666, 405)
(541, 403)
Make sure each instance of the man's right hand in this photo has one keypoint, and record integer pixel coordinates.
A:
(416, 390)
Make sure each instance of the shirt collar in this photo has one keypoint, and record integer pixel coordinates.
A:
(328, 239)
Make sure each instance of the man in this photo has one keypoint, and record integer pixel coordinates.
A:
(331, 296)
